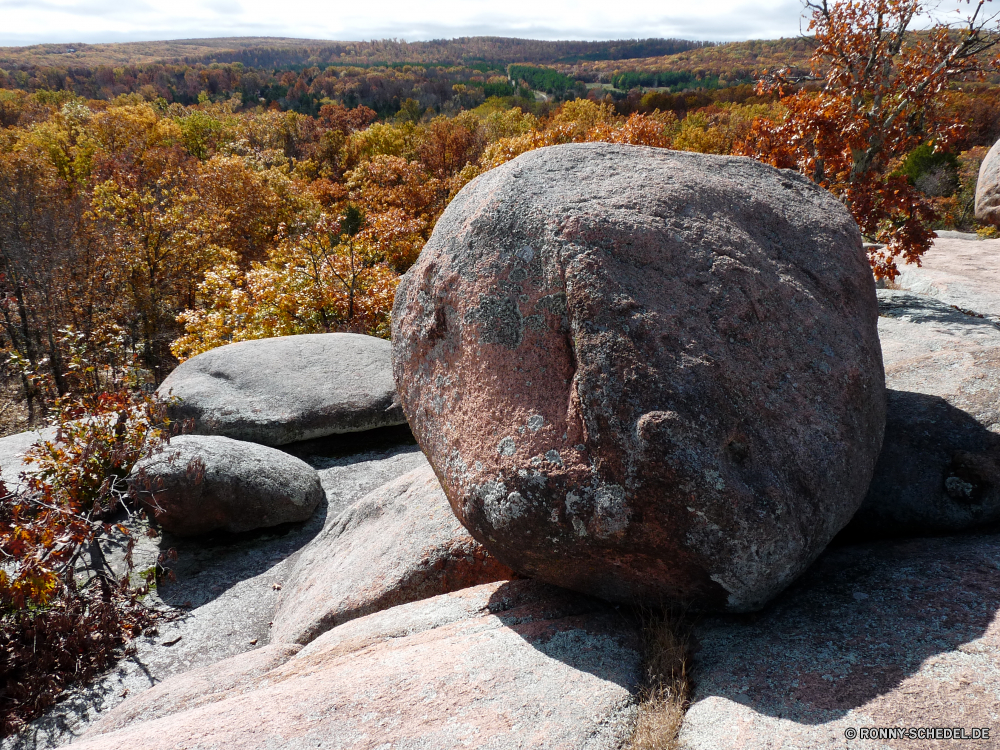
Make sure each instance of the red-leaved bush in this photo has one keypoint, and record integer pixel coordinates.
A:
(66, 610)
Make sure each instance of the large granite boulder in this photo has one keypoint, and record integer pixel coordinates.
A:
(398, 544)
(505, 665)
(202, 483)
(281, 390)
(645, 374)
(988, 187)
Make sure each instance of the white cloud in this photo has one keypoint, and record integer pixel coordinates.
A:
(36, 21)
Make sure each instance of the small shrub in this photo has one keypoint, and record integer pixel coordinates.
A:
(65, 613)
(934, 173)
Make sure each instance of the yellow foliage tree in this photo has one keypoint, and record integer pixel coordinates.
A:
(324, 277)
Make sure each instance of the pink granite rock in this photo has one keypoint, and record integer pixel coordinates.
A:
(398, 544)
(196, 687)
(897, 634)
(645, 374)
(504, 665)
(988, 187)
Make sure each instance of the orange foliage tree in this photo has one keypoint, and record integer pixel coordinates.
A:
(880, 97)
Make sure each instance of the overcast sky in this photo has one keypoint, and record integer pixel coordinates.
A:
(35, 21)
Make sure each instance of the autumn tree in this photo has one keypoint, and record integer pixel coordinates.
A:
(879, 96)
(332, 274)
(49, 272)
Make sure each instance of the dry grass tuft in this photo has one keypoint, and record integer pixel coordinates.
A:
(664, 699)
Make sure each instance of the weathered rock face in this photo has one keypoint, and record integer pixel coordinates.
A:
(196, 687)
(400, 543)
(202, 483)
(988, 187)
(645, 374)
(893, 634)
(280, 390)
(505, 665)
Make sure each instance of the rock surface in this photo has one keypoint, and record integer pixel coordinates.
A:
(400, 543)
(645, 374)
(504, 665)
(280, 390)
(12, 450)
(196, 687)
(958, 272)
(899, 634)
(939, 470)
(988, 187)
(224, 597)
(346, 479)
(938, 473)
(202, 483)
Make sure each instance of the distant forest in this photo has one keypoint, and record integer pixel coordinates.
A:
(387, 76)
(275, 52)
(455, 51)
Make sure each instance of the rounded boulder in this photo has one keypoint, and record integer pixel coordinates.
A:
(280, 390)
(644, 374)
(202, 483)
(988, 187)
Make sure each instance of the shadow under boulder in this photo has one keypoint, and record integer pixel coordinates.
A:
(938, 472)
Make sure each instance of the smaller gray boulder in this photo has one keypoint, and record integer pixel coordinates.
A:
(281, 390)
(202, 483)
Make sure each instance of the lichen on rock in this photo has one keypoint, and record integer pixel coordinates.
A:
(630, 337)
